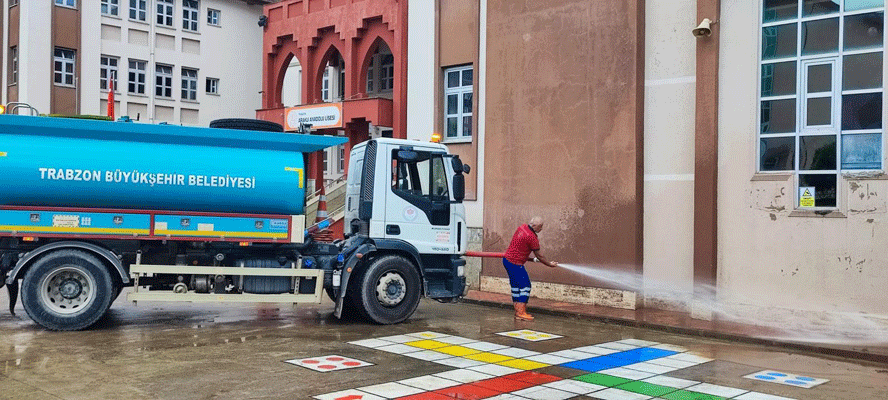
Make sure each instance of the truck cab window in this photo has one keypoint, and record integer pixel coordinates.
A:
(424, 177)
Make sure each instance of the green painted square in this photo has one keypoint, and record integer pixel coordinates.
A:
(602, 379)
(646, 388)
(689, 395)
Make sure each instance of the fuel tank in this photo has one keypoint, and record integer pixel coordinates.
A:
(96, 164)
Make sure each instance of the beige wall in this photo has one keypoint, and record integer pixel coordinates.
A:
(767, 257)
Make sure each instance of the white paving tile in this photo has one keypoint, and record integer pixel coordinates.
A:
(429, 382)
(507, 396)
(428, 335)
(652, 368)
(347, 393)
(786, 378)
(670, 347)
(515, 352)
(484, 346)
(717, 390)
(596, 350)
(495, 370)
(637, 342)
(760, 396)
(549, 359)
(463, 375)
(690, 358)
(428, 355)
(573, 354)
(458, 362)
(398, 349)
(398, 339)
(618, 394)
(576, 387)
(371, 343)
(456, 340)
(627, 373)
(617, 346)
(671, 362)
(544, 393)
(391, 390)
(677, 383)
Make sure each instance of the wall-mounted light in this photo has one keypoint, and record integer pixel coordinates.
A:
(704, 29)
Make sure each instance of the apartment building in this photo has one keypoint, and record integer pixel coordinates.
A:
(169, 61)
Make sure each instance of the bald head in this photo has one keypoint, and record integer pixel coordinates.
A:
(536, 223)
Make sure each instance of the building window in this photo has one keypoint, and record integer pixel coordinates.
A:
(13, 3)
(14, 65)
(387, 73)
(67, 3)
(136, 77)
(64, 67)
(189, 84)
(165, 12)
(138, 10)
(342, 158)
(821, 93)
(190, 12)
(214, 17)
(163, 81)
(458, 102)
(370, 85)
(212, 86)
(326, 166)
(111, 7)
(325, 91)
(108, 72)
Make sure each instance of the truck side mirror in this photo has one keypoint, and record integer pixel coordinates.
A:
(466, 168)
(459, 187)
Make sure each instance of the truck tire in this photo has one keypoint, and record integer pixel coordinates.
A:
(246, 124)
(389, 290)
(67, 290)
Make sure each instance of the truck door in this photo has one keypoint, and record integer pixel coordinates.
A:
(418, 204)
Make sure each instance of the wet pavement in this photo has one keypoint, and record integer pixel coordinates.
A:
(446, 351)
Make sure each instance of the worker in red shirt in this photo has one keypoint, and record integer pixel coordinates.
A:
(523, 243)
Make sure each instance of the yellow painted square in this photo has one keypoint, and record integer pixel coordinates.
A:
(522, 364)
(427, 344)
(458, 351)
(488, 357)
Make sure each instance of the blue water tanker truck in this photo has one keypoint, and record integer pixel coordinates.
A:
(89, 208)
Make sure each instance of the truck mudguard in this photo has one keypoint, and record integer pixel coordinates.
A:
(99, 251)
(346, 274)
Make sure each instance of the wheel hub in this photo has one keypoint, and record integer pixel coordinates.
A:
(71, 288)
(391, 289)
(67, 290)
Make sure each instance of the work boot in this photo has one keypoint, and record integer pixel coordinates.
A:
(521, 312)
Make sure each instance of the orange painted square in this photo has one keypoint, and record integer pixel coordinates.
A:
(468, 392)
(502, 384)
(535, 378)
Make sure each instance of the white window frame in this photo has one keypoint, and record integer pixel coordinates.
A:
(165, 11)
(325, 86)
(66, 3)
(190, 15)
(341, 150)
(836, 60)
(386, 73)
(459, 91)
(214, 17)
(13, 3)
(163, 81)
(110, 72)
(138, 10)
(111, 7)
(213, 86)
(189, 84)
(137, 69)
(64, 58)
(14, 58)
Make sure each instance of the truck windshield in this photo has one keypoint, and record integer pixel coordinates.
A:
(426, 178)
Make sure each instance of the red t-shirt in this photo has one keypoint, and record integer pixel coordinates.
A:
(523, 243)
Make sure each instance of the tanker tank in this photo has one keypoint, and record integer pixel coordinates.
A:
(53, 162)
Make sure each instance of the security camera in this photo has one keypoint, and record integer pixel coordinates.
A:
(703, 29)
(263, 21)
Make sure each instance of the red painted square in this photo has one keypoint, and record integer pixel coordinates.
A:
(503, 385)
(535, 378)
(468, 392)
(426, 396)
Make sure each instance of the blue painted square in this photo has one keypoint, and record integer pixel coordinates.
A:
(593, 366)
(643, 354)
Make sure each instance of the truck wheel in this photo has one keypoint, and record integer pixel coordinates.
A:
(390, 290)
(67, 290)
(246, 124)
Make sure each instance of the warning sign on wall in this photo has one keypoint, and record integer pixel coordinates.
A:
(806, 197)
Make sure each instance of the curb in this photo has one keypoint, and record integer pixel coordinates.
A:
(843, 353)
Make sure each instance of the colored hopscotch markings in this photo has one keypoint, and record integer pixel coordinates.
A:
(531, 336)
(787, 379)
(329, 363)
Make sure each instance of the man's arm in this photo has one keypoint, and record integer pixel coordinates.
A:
(542, 259)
